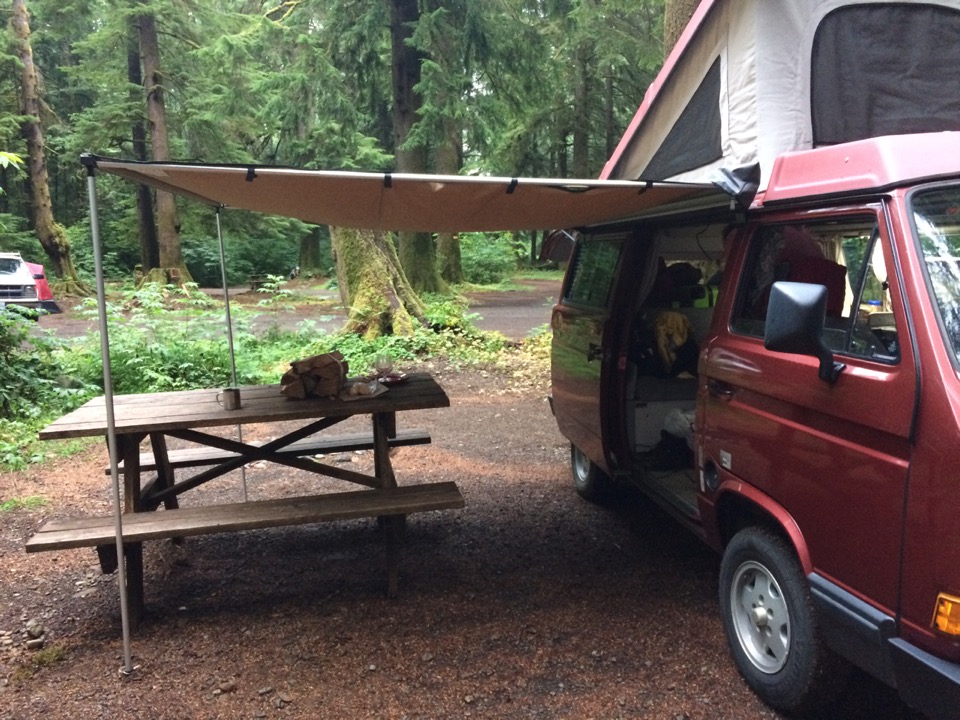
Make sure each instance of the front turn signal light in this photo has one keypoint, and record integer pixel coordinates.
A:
(946, 616)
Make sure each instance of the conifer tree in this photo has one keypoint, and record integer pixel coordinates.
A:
(172, 268)
(50, 233)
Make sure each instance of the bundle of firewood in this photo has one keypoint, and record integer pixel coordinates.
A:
(321, 376)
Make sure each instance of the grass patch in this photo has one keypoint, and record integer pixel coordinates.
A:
(513, 283)
(31, 502)
(533, 274)
(46, 657)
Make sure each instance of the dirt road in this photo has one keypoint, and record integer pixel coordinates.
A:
(513, 313)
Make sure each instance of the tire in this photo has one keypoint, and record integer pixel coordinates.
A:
(769, 621)
(591, 482)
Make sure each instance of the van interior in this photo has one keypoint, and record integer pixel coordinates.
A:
(675, 292)
(677, 286)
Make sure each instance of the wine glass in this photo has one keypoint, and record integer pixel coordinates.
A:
(383, 364)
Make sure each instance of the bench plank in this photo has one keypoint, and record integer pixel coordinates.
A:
(60, 534)
(200, 456)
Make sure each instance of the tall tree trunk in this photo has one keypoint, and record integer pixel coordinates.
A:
(373, 288)
(581, 112)
(447, 162)
(149, 248)
(172, 269)
(611, 136)
(561, 160)
(676, 15)
(418, 254)
(50, 233)
(310, 261)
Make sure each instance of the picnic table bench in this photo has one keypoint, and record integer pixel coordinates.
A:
(180, 414)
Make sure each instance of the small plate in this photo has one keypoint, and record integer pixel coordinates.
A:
(393, 379)
(373, 390)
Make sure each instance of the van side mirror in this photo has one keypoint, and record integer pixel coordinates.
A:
(795, 316)
(38, 276)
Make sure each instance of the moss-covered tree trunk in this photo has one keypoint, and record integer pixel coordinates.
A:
(418, 252)
(447, 162)
(51, 234)
(373, 288)
(172, 268)
(676, 15)
(147, 226)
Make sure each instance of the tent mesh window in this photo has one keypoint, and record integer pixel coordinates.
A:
(694, 140)
(885, 69)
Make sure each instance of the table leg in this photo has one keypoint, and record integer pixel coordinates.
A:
(128, 448)
(107, 555)
(165, 478)
(384, 427)
(393, 527)
(133, 553)
(133, 565)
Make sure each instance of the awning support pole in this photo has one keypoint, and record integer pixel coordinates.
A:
(233, 360)
(127, 668)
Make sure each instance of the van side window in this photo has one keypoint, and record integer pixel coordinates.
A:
(846, 257)
(593, 271)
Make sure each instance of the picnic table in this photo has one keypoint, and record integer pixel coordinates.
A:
(159, 477)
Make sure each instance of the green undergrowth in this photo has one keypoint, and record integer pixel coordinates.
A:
(165, 339)
(513, 283)
(553, 274)
(25, 503)
(35, 662)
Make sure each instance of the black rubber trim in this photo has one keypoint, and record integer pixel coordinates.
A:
(853, 628)
(926, 682)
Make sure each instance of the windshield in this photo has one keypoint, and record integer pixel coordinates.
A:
(9, 265)
(936, 216)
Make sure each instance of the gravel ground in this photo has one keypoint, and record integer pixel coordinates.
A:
(528, 603)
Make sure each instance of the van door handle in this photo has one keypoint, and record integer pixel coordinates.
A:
(720, 390)
(594, 351)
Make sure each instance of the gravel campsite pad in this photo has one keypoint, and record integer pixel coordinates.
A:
(528, 603)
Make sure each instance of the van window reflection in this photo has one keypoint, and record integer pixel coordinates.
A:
(592, 273)
(936, 216)
(846, 257)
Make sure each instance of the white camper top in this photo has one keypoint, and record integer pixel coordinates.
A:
(751, 79)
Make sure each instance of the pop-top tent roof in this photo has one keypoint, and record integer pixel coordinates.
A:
(429, 203)
(751, 79)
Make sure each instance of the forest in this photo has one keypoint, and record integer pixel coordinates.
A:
(540, 88)
(500, 87)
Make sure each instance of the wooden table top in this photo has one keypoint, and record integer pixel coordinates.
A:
(158, 412)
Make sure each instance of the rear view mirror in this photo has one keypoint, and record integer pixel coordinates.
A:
(795, 316)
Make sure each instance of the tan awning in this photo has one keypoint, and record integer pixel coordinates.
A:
(428, 203)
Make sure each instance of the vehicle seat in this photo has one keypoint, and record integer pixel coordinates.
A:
(801, 260)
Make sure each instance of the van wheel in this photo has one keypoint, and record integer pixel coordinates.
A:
(591, 482)
(769, 621)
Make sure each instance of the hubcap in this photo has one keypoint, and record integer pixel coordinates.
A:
(581, 466)
(760, 617)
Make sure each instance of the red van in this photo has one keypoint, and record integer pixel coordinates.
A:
(783, 379)
(24, 284)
